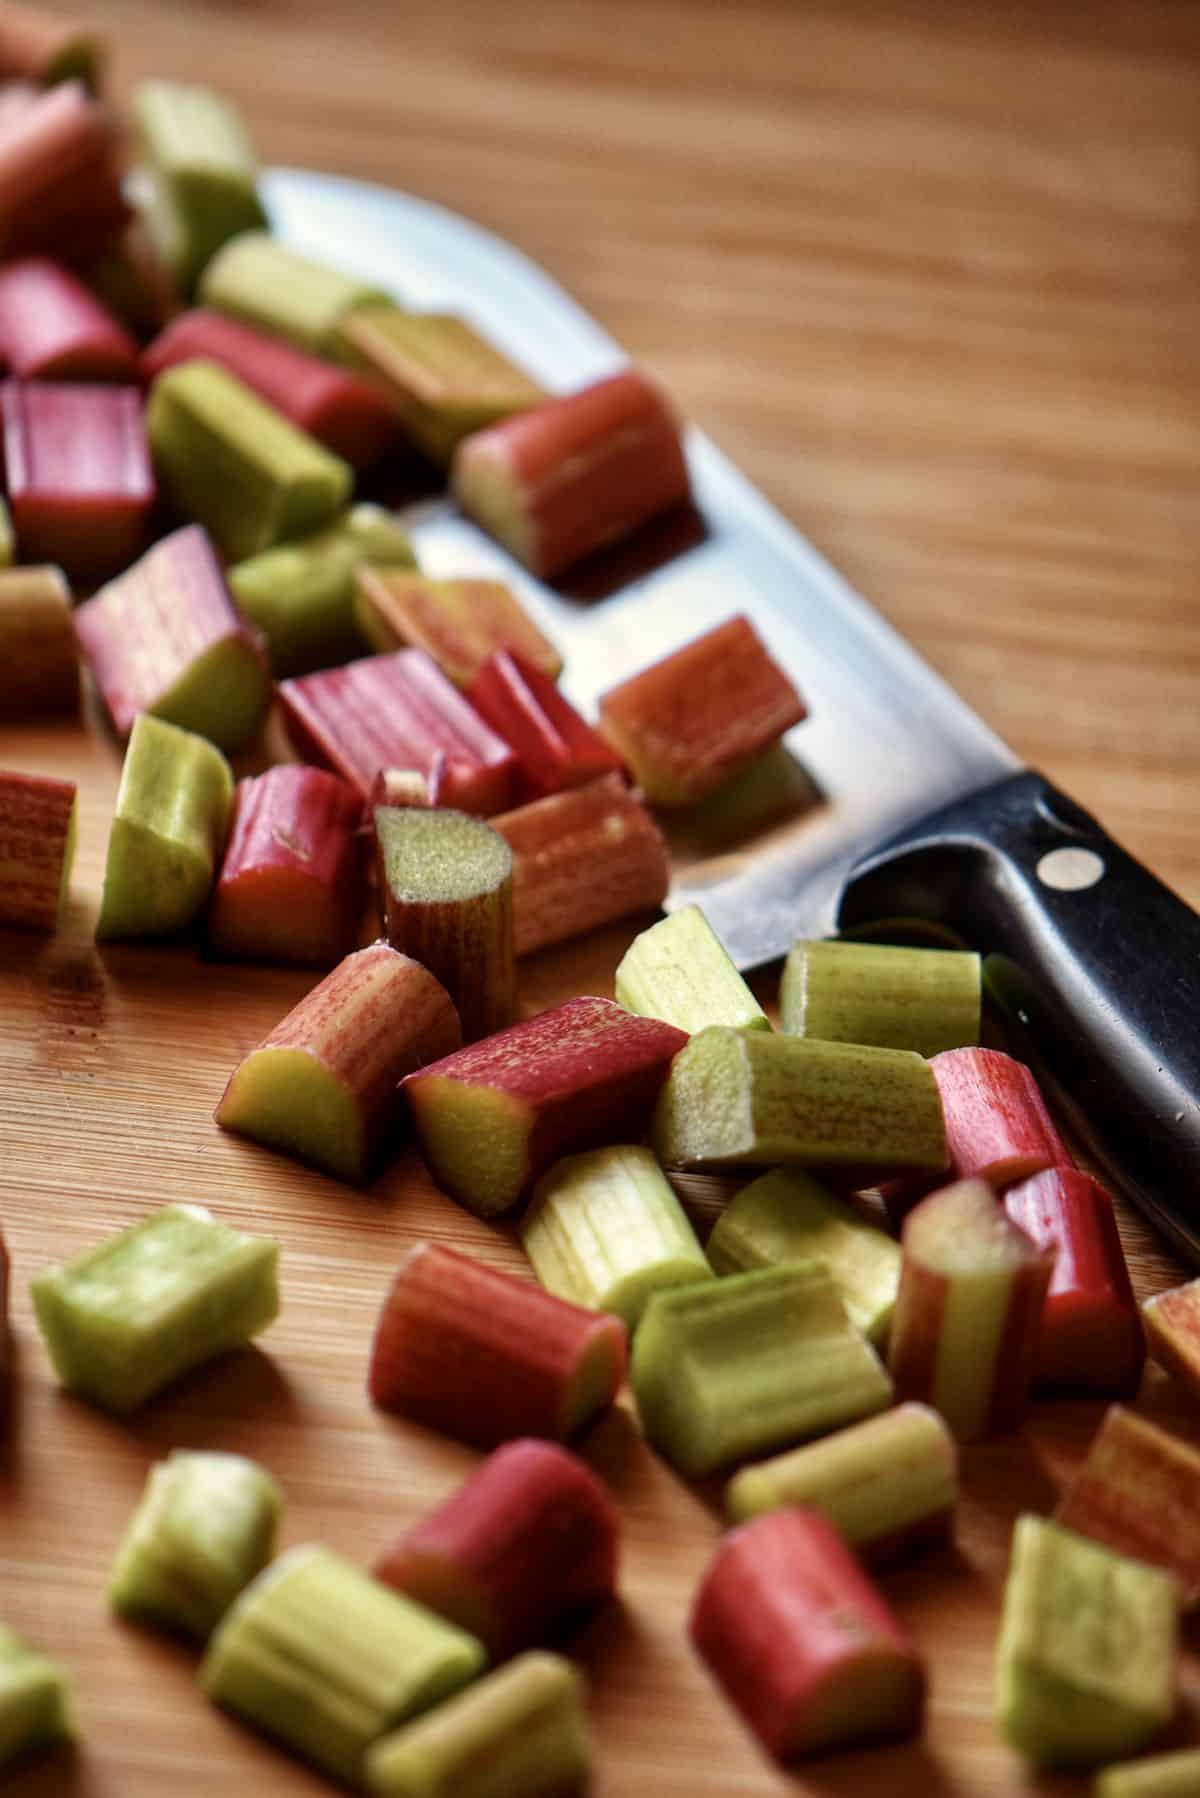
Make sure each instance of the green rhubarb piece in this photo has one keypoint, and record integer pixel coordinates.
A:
(731, 1368)
(678, 970)
(126, 1318)
(202, 164)
(605, 1230)
(922, 999)
(172, 816)
(884, 1481)
(301, 595)
(37, 1708)
(787, 1216)
(446, 892)
(205, 1526)
(1158, 1776)
(1085, 1667)
(749, 1097)
(256, 278)
(518, 1733)
(321, 1655)
(228, 459)
(445, 379)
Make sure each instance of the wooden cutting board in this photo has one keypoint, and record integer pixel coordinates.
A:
(929, 276)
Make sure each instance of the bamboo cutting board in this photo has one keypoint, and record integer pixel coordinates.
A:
(929, 276)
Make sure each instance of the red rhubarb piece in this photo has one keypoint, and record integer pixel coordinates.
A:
(1172, 1322)
(526, 1544)
(80, 485)
(399, 711)
(165, 637)
(602, 828)
(52, 327)
(573, 474)
(692, 721)
(964, 1328)
(60, 189)
(292, 884)
(801, 1641)
(555, 746)
(493, 1116)
(1090, 1338)
(997, 1124)
(37, 843)
(1138, 1491)
(487, 1357)
(345, 413)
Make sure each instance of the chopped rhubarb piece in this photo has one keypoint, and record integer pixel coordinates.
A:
(168, 831)
(605, 1230)
(495, 1115)
(407, 786)
(322, 1085)
(125, 1319)
(445, 380)
(37, 1700)
(526, 1544)
(201, 163)
(794, 1101)
(964, 1330)
(321, 1655)
(1138, 1491)
(600, 827)
(291, 886)
(487, 1357)
(132, 280)
(53, 328)
(801, 1641)
(445, 885)
(922, 999)
(574, 473)
(37, 846)
(787, 1216)
(1087, 1652)
(231, 461)
(693, 720)
(342, 411)
(679, 970)
(520, 1732)
(205, 1526)
(556, 747)
(1172, 1322)
(459, 623)
(38, 46)
(60, 188)
(257, 278)
(301, 595)
(39, 655)
(997, 1123)
(398, 711)
(1155, 1776)
(166, 638)
(80, 485)
(1090, 1339)
(889, 1483)
(724, 1369)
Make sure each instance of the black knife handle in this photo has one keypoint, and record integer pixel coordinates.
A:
(1094, 963)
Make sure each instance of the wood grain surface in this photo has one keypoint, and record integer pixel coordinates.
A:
(928, 272)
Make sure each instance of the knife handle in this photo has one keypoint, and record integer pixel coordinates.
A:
(1094, 963)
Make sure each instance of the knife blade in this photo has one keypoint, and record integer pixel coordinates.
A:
(920, 811)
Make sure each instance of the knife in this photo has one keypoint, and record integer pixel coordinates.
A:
(923, 813)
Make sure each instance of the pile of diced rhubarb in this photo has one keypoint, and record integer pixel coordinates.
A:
(188, 410)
